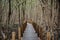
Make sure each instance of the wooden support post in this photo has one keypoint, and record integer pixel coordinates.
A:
(4, 37)
(48, 36)
(40, 33)
(53, 37)
(57, 36)
(13, 35)
(19, 33)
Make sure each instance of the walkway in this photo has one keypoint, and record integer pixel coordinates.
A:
(29, 33)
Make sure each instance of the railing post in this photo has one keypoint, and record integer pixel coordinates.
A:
(19, 33)
(48, 36)
(41, 33)
(13, 35)
(53, 37)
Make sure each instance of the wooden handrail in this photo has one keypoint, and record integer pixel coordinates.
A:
(23, 28)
